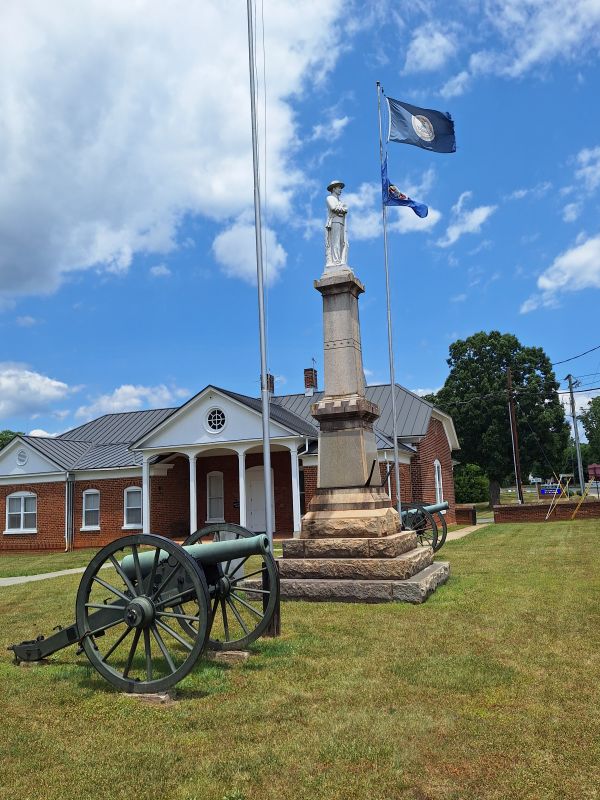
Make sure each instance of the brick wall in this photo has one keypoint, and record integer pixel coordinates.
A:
(112, 498)
(170, 501)
(536, 512)
(405, 481)
(50, 518)
(434, 445)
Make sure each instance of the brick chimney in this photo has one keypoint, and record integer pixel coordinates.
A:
(310, 381)
(270, 383)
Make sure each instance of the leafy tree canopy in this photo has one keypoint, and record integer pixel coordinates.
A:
(475, 395)
(471, 485)
(590, 419)
(6, 436)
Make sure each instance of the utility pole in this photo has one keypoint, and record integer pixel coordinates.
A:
(576, 432)
(514, 435)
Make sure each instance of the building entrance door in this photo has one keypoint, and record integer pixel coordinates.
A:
(255, 499)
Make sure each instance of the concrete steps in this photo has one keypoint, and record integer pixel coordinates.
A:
(398, 567)
(415, 589)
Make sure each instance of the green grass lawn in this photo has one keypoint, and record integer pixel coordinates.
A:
(491, 689)
(37, 563)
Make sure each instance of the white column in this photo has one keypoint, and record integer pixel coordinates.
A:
(145, 493)
(193, 495)
(295, 489)
(242, 486)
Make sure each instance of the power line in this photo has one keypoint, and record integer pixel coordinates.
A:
(564, 361)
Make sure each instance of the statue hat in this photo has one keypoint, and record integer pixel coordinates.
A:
(335, 183)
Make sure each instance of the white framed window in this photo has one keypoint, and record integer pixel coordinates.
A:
(215, 505)
(133, 507)
(215, 420)
(91, 510)
(439, 486)
(21, 513)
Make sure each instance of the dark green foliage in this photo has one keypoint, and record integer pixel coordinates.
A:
(471, 485)
(6, 436)
(475, 396)
(590, 419)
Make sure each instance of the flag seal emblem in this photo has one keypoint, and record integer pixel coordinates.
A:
(423, 128)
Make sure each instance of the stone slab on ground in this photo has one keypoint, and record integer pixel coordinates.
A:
(386, 547)
(154, 698)
(227, 656)
(398, 568)
(414, 590)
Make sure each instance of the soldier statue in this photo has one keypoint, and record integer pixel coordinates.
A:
(336, 241)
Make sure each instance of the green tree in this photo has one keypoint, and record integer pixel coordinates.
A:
(475, 395)
(590, 419)
(471, 485)
(6, 436)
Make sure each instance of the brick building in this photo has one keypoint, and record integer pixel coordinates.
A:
(170, 471)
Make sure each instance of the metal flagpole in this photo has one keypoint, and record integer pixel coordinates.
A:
(389, 318)
(264, 389)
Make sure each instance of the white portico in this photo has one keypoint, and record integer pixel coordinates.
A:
(212, 429)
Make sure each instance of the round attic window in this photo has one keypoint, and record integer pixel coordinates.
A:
(22, 457)
(215, 419)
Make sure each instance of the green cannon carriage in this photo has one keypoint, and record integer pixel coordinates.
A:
(427, 522)
(147, 607)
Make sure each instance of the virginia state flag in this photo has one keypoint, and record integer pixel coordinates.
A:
(392, 196)
(423, 127)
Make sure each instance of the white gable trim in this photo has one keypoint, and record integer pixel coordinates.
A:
(194, 401)
(449, 428)
(19, 443)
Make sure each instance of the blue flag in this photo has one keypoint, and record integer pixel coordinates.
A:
(392, 196)
(423, 127)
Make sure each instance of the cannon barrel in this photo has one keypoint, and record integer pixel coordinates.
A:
(209, 553)
(432, 509)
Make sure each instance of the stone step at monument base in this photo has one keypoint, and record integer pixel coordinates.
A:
(399, 567)
(415, 589)
(381, 547)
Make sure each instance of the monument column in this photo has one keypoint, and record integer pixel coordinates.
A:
(351, 547)
(349, 500)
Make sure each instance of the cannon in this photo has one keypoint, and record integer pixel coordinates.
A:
(422, 520)
(147, 607)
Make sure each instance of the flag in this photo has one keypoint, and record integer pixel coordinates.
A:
(423, 127)
(392, 196)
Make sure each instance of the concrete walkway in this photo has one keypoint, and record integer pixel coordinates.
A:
(28, 578)
(452, 535)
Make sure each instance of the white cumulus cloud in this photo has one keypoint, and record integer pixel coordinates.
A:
(235, 251)
(429, 49)
(132, 398)
(25, 392)
(119, 118)
(588, 171)
(465, 220)
(160, 271)
(574, 270)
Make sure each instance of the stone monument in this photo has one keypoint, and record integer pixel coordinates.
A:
(351, 546)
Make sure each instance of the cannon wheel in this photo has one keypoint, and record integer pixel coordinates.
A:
(421, 521)
(444, 531)
(136, 649)
(242, 604)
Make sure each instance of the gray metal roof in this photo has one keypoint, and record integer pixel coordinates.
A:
(104, 443)
(63, 453)
(122, 428)
(278, 413)
(412, 412)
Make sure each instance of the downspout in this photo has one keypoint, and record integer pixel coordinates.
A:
(69, 486)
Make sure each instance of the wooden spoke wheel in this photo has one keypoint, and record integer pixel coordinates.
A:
(125, 616)
(243, 591)
(421, 521)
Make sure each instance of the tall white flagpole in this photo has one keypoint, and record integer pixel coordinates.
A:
(389, 318)
(264, 389)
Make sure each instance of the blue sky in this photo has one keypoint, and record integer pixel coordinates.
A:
(127, 274)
